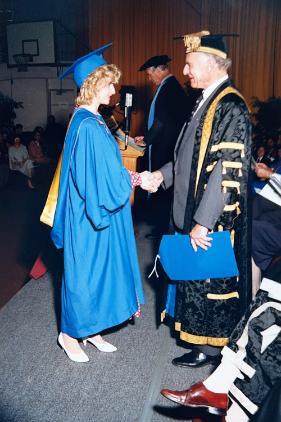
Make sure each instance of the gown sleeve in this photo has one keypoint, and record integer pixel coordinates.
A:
(97, 173)
(223, 200)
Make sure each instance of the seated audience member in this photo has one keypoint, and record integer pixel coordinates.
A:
(19, 160)
(6, 139)
(35, 149)
(4, 168)
(39, 129)
(261, 157)
(276, 165)
(259, 181)
(251, 364)
(271, 149)
(266, 225)
(54, 136)
(18, 130)
(3, 149)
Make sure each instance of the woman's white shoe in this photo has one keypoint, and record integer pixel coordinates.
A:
(103, 347)
(80, 357)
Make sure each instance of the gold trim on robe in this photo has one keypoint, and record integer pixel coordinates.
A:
(225, 296)
(232, 207)
(191, 338)
(207, 129)
(227, 145)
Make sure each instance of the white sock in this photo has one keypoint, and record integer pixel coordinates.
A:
(222, 378)
(235, 414)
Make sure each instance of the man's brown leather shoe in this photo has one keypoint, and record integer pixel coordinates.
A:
(198, 396)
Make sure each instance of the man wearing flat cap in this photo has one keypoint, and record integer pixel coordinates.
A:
(210, 178)
(168, 111)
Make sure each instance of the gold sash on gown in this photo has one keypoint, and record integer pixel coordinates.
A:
(48, 213)
(49, 210)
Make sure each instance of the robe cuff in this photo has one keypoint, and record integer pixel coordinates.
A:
(136, 179)
(272, 287)
(237, 360)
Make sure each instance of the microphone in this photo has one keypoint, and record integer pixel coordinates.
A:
(127, 115)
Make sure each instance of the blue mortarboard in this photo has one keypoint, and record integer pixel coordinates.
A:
(85, 65)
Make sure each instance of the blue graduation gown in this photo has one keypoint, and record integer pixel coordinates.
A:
(101, 284)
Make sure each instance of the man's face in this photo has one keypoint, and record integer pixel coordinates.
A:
(154, 75)
(198, 67)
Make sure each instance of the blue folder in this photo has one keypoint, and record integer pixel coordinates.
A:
(181, 262)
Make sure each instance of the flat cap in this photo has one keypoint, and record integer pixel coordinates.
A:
(155, 61)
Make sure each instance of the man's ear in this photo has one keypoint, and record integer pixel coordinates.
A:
(211, 64)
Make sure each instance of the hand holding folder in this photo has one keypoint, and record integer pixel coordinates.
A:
(181, 262)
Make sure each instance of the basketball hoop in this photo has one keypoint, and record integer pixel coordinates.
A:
(22, 61)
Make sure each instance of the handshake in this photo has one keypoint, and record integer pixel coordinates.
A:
(151, 181)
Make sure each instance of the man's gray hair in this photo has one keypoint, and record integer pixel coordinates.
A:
(222, 63)
(162, 66)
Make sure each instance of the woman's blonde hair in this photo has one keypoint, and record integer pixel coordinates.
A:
(103, 75)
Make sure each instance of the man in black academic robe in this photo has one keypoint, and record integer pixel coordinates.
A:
(169, 109)
(209, 175)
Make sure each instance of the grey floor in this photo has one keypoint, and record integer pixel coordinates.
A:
(38, 383)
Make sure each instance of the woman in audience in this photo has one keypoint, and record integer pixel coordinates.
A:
(35, 149)
(266, 223)
(271, 149)
(3, 149)
(277, 163)
(19, 160)
(261, 155)
(4, 168)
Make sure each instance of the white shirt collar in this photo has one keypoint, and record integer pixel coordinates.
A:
(208, 91)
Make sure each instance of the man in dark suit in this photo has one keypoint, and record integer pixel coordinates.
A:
(168, 111)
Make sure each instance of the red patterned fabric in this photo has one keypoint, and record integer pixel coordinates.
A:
(136, 179)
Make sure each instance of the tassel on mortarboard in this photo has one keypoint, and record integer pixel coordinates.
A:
(205, 42)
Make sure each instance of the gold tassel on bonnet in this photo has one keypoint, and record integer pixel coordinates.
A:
(204, 42)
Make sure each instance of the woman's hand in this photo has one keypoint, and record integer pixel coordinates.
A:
(139, 140)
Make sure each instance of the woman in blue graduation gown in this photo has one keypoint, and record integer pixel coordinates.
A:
(101, 285)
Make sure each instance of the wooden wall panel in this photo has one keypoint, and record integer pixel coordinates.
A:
(277, 53)
(142, 28)
(254, 52)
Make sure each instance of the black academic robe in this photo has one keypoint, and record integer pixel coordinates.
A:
(256, 343)
(172, 108)
(206, 311)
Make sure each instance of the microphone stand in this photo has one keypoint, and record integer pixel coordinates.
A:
(127, 115)
(127, 126)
